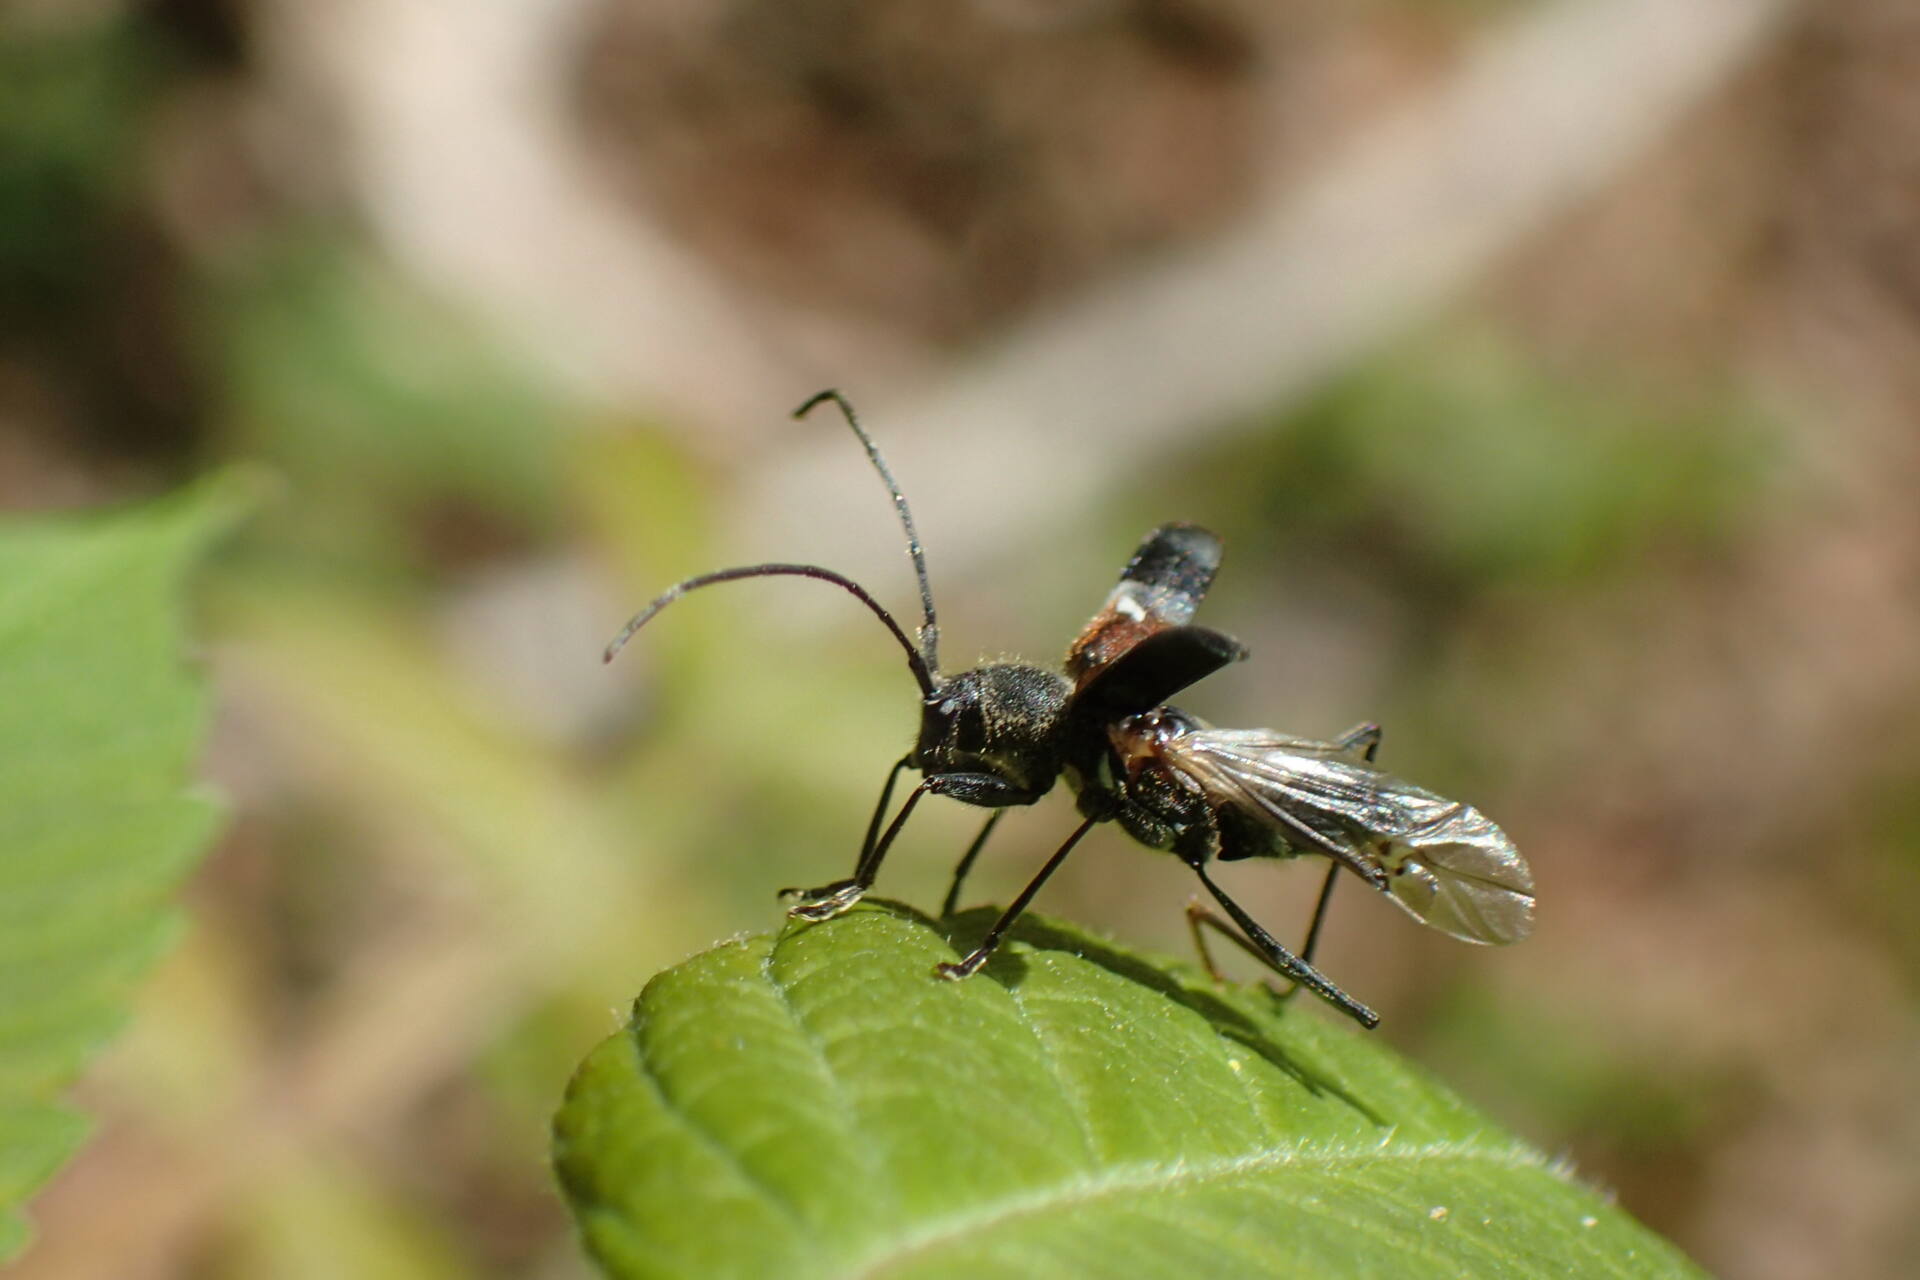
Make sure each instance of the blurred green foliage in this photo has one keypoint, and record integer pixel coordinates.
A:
(380, 403)
(1555, 1070)
(1479, 468)
(71, 121)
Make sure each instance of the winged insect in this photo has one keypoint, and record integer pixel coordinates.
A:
(1000, 734)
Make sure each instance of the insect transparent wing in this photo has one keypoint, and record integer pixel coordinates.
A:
(1442, 861)
(1292, 783)
(1459, 873)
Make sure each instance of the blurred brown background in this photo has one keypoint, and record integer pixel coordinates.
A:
(1553, 371)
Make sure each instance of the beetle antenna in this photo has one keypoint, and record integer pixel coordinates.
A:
(929, 631)
(921, 667)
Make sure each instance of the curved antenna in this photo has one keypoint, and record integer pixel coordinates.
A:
(929, 631)
(922, 671)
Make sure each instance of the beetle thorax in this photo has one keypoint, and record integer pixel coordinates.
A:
(1002, 718)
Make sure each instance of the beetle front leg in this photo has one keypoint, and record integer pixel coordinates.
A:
(830, 900)
(866, 844)
(983, 789)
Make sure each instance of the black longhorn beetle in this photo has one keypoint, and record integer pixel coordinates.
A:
(1001, 733)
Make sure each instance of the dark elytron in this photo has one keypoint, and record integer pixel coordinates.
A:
(1000, 734)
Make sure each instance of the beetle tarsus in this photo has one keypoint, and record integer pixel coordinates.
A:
(964, 969)
(827, 901)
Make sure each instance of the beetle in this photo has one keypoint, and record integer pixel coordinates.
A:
(999, 735)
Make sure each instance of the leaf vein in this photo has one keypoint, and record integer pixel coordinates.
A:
(1075, 1096)
(1183, 1175)
(703, 1134)
(880, 1187)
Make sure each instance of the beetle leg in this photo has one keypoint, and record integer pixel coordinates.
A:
(829, 900)
(873, 830)
(966, 862)
(1284, 962)
(980, 954)
(1201, 917)
(983, 789)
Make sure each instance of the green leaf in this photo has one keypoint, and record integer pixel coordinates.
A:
(820, 1105)
(100, 722)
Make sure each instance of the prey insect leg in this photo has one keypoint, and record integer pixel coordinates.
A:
(1320, 912)
(1364, 738)
(980, 954)
(1198, 916)
(966, 863)
(1284, 962)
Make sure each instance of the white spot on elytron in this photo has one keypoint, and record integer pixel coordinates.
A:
(1438, 1213)
(1127, 605)
(1589, 1222)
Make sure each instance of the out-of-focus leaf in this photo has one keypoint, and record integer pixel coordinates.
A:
(324, 1220)
(820, 1105)
(99, 724)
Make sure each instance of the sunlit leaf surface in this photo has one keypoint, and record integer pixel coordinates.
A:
(819, 1105)
(100, 720)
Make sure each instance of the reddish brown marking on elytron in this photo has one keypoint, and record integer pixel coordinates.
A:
(1108, 636)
